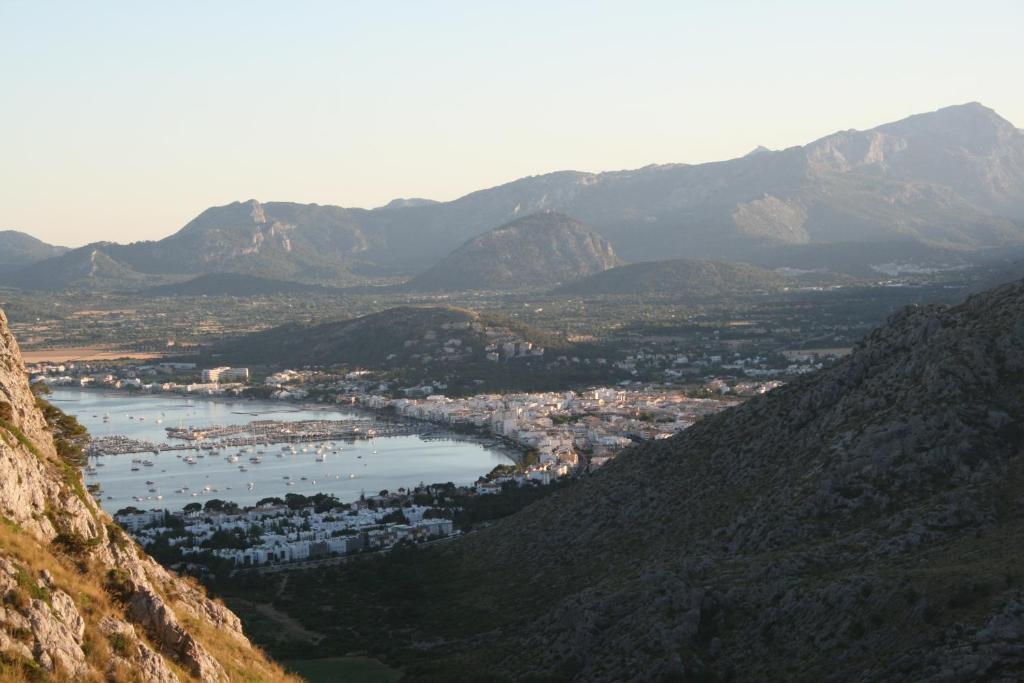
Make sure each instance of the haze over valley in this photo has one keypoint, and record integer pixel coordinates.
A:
(479, 342)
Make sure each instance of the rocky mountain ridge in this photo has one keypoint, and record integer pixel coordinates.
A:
(81, 600)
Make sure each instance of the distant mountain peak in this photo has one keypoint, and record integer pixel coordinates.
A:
(540, 249)
(969, 124)
(760, 149)
(20, 250)
(408, 202)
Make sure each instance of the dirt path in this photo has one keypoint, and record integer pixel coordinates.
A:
(287, 624)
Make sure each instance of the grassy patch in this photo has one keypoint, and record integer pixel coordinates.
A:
(349, 669)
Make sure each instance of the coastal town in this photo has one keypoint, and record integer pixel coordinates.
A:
(551, 437)
(558, 432)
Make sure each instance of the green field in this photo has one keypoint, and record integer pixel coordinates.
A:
(346, 669)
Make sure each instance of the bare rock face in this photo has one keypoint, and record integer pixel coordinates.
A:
(26, 487)
(150, 611)
(80, 600)
(134, 654)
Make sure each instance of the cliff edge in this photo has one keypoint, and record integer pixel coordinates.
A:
(82, 601)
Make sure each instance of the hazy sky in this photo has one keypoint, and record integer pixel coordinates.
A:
(123, 120)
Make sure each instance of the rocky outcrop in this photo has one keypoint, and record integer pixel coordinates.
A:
(132, 653)
(80, 600)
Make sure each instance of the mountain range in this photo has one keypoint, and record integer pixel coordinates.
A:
(952, 178)
(860, 523)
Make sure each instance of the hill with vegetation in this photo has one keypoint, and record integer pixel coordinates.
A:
(687, 277)
(82, 602)
(396, 337)
(86, 269)
(18, 250)
(860, 523)
(535, 251)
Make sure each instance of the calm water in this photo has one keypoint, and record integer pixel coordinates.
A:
(400, 461)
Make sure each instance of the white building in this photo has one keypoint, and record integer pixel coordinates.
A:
(226, 374)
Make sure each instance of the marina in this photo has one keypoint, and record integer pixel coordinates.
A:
(260, 433)
(135, 469)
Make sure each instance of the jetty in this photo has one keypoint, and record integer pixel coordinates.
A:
(261, 433)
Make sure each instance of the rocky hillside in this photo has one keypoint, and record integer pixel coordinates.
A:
(81, 601)
(539, 250)
(694, 278)
(862, 523)
(951, 178)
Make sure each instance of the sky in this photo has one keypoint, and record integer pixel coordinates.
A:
(123, 120)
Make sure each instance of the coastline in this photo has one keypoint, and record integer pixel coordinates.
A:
(490, 441)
